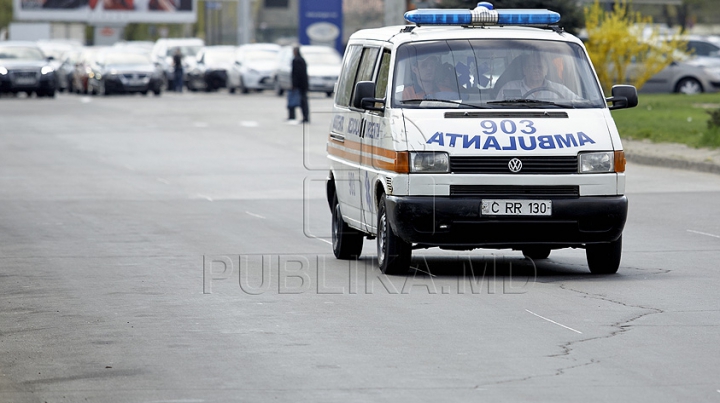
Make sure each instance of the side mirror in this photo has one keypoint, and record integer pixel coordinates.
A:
(50, 58)
(623, 96)
(364, 97)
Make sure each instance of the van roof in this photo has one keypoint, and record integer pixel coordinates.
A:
(409, 33)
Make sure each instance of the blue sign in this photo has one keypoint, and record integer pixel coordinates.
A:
(321, 23)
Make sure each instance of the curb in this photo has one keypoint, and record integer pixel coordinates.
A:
(669, 162)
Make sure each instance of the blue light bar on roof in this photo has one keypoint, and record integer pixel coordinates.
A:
(482, 15)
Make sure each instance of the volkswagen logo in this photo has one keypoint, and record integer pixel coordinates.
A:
(515, 165)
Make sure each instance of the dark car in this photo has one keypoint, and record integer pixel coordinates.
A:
(210, 73)
(24, 68)
(124, 71)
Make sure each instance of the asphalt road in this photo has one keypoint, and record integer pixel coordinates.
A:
(134, 232)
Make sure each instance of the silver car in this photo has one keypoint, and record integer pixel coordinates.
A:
(254, 67)
(323, 65)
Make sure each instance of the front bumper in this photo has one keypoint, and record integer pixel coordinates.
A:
(215, 79)
(44, 82)
(455, 222)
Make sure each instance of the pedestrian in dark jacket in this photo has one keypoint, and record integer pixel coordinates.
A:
(300, 83)
(178, 71)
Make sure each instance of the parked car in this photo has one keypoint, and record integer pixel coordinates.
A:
(323, 65)
(164, 50)
(691, 76)
(708, 46)
(84, 67)
(254, 67)
(24, 68)
(211, 67)
(64, 73)
(123, 71)
(56, 50)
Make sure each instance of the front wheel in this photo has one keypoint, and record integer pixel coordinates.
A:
(394, 254)
(536, 252)
(604, 258)
(689, 86)
(346, 242)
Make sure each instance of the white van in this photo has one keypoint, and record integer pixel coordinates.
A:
(475, 129)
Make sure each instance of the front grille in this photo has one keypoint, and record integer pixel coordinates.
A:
(514, 191)
(26, 74)
(499, 165)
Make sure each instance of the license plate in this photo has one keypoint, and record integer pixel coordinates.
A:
(25, 81)
(516, 207)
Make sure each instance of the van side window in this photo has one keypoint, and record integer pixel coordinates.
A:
(347, 80)
(382, 77)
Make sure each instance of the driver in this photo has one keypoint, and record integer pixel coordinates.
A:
(534, 85)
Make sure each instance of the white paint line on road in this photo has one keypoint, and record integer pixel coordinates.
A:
(201, 124)
(552, 321)
(249, 123)
(85, 100)
(703, 233)
(161, 180)
(254, 215)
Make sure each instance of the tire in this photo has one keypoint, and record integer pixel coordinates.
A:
(329, 94)
(394, 254)
(536, 252)
(144, 92)
(278, 90)
(243, 89)
(604, 258)
(346, 242)
(689, 86)
(231, 90)
(157, 92)
(50, 94)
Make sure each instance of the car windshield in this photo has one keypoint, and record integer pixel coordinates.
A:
(321, 57)
(491, 73)
(260, 55)
(184, 50)
(219, 56)
(20, 53)
(127, 58)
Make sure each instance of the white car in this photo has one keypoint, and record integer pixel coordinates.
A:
(254, 67)
(323, 65)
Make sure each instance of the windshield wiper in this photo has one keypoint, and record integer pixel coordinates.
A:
(529, 101)
(419, 101)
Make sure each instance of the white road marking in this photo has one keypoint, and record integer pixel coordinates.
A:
(85, 100)
(249, 123)
(552, 321)
(254, 215)
(201, 124)
(703, 233)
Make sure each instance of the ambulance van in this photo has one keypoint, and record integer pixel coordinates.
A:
(473, 129)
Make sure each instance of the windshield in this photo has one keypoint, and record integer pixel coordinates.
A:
(321, 58)
(20, 53)
(184, 50)
(485, 73)
(127, 58)
(220, 57)
(260, 55)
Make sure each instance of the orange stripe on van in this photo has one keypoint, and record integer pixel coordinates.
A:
(400, 159)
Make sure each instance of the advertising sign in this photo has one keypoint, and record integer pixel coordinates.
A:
(321, 23)
(107, 11)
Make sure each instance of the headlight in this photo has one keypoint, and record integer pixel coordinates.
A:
(597, 162)
(3, 71)
(46, 70)
(429, 161)
(98, 76)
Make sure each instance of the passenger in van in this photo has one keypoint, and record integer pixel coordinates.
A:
(534, 84)
(430, 80)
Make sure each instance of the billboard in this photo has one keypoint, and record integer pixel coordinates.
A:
(107, 11)
(321, 23)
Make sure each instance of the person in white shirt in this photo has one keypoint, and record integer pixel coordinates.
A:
(535, 85)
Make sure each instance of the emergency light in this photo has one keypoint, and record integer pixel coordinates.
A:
(483, 14)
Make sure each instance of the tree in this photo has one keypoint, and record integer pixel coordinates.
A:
(619, 38)
(571, 16)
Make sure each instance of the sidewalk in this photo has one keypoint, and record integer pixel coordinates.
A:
(672, 155)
